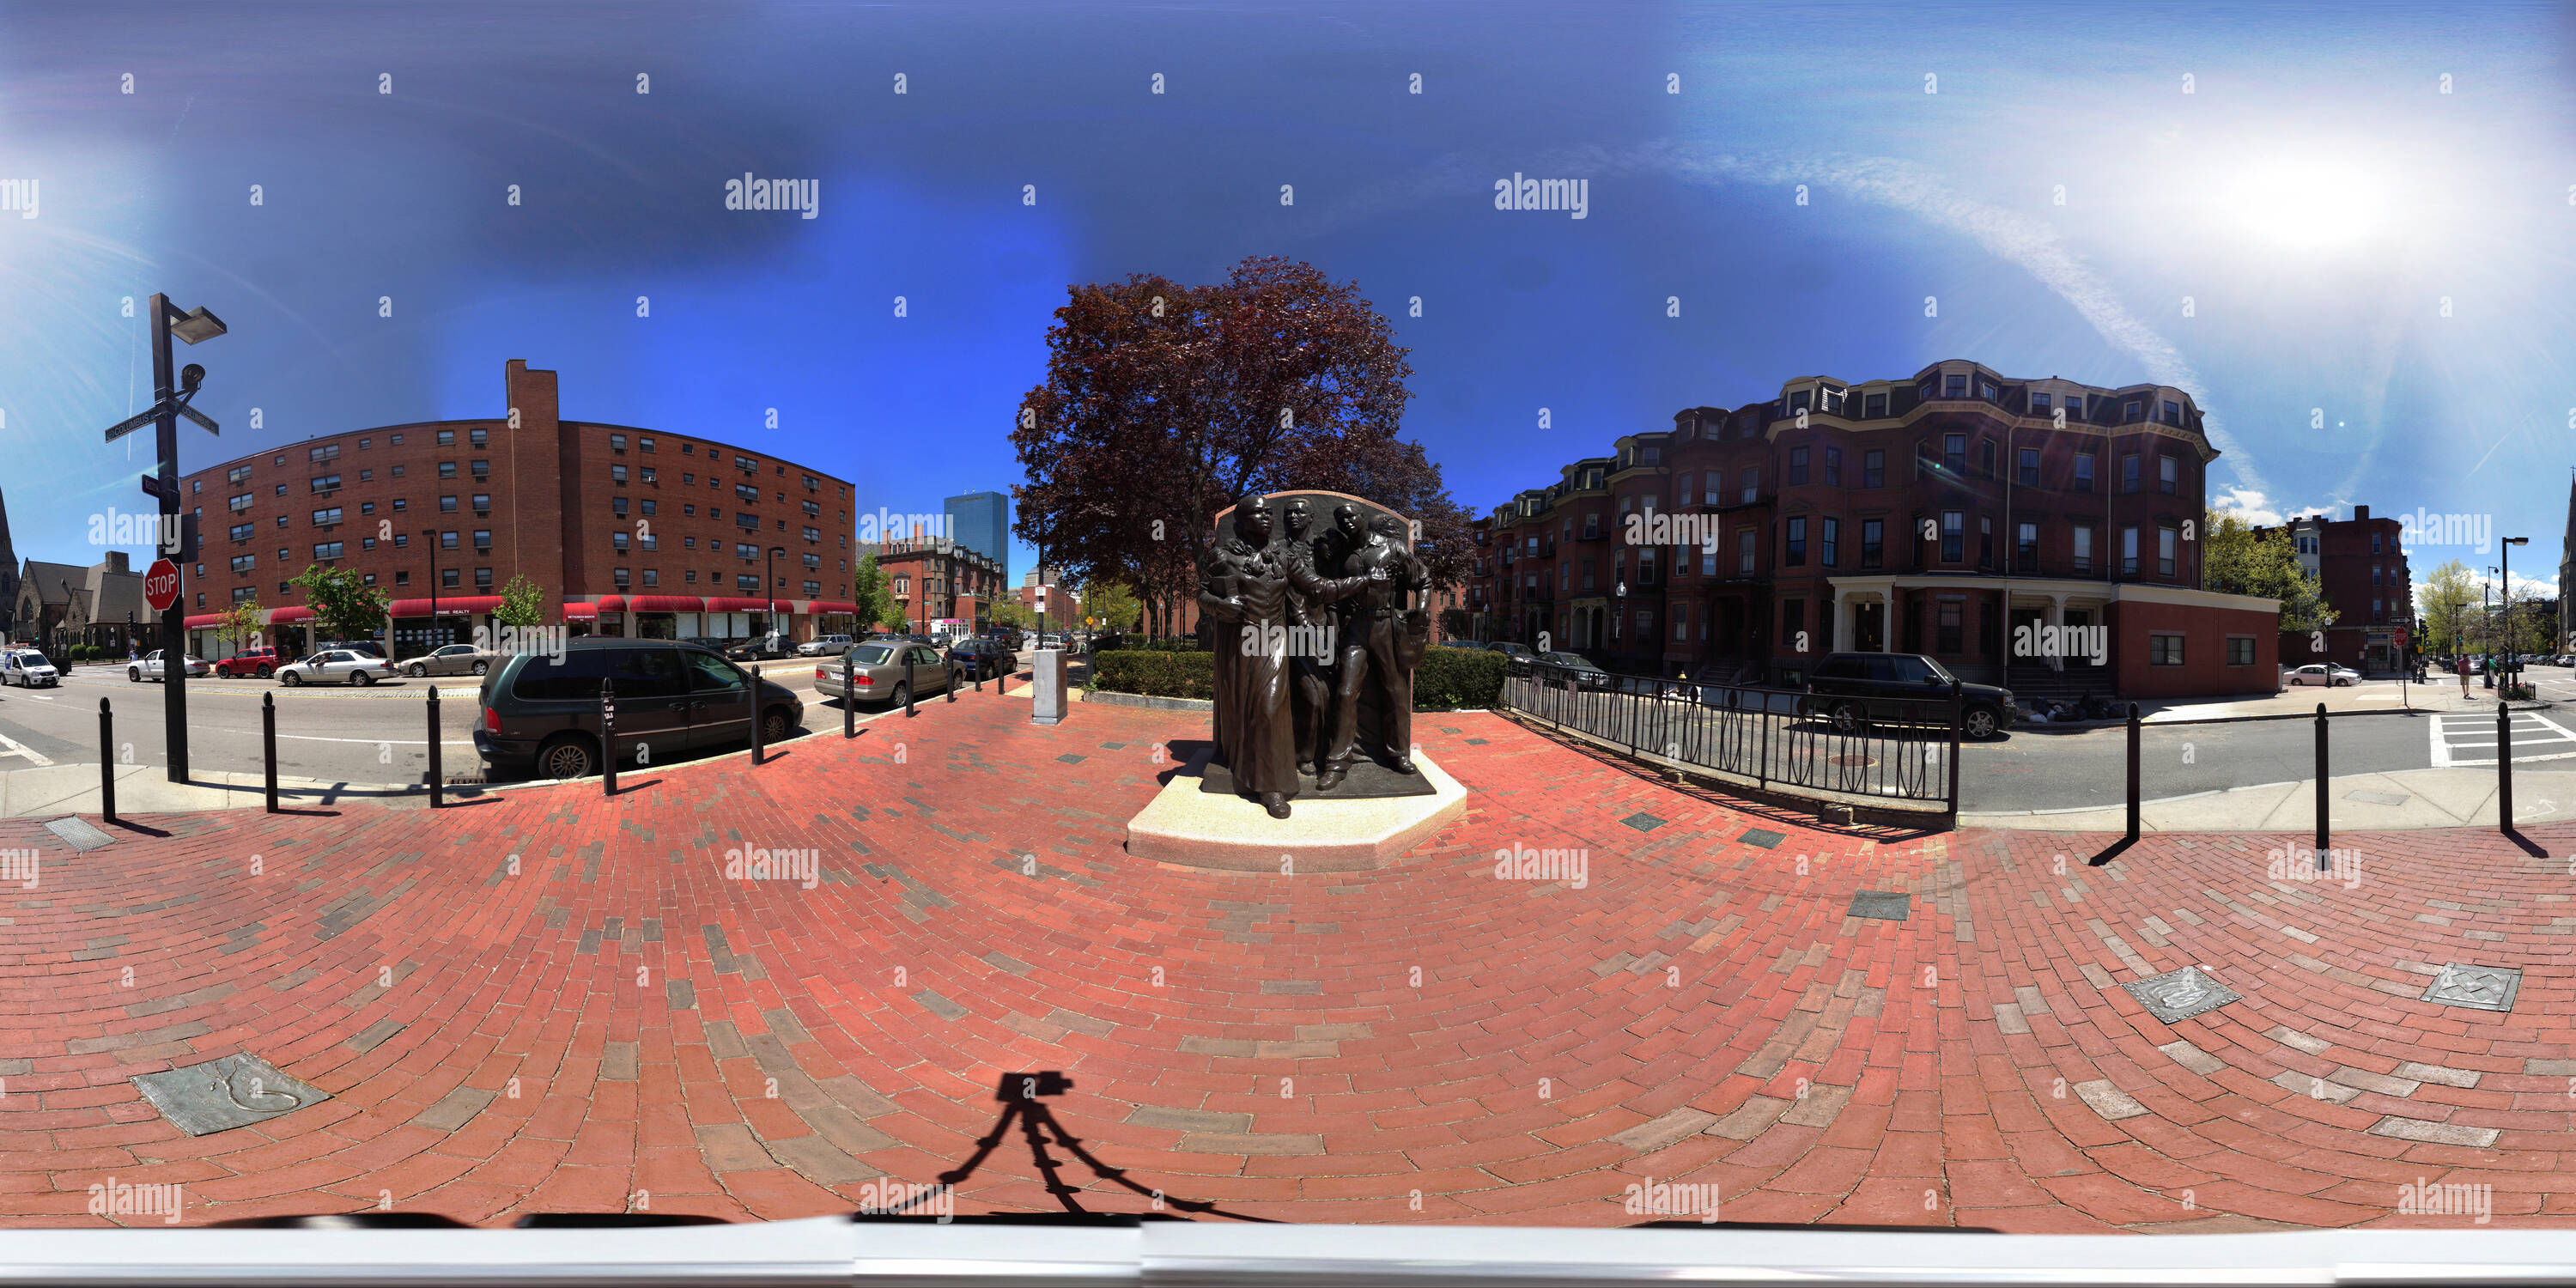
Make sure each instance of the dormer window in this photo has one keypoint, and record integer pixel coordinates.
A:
(1830, 400)
(1798, 400)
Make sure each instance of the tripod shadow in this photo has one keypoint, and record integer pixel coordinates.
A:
(1023, 1097)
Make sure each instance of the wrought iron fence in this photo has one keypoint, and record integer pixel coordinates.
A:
(1883, 752)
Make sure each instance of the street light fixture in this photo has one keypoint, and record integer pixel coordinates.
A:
(196, 326)
(769, 591)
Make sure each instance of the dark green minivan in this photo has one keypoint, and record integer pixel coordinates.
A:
(541, 711)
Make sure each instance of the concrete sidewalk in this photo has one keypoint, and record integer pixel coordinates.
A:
(54, 790)
(2409, 799)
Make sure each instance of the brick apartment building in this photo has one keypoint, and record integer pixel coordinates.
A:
(2360, 565)
(941, 583)
(627, 531)
(1935, 514)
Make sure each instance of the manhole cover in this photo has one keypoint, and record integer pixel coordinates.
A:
(1885, 905)
(1643, 822)
(2487, 988)
(235, 1091)
(1853, 760)
(2180, 995)
(78, 834)
(1767, 840)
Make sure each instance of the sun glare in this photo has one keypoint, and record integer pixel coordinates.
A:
(2307, 205)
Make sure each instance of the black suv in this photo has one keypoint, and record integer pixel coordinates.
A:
(541, 711)
(1852, 689)
(983, 659)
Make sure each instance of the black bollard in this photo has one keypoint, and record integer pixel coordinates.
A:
(437, 774)
(751, 695)
(268, 744)
(2133, 772)
(907, 691)
(949, 669)
(2325, 836)
(106, 762)
(1958, 710)
(849, 698)
(608, 737)
(2504, 770)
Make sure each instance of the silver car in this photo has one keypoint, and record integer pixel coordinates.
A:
(455, 659)
(336, 666)
(149, 668)
(825, 646)
(890, 672)
(28, 668)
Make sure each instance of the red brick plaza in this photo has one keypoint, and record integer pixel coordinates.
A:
(1703, 1009)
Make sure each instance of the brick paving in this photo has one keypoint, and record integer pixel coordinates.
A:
(549, 1001)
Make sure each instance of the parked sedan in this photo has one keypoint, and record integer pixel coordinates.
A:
(27, 668)
(336, 666)
(455, 659)
(891, 672)
(1576, 669)
(261, 662)
(760, 648)
(2325, 673)
(1855, 689)
(983, 659)
(149, 667)
(825, 646)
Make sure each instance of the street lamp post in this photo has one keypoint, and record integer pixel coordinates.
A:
(431, 535)
(2505, 554)
(769, 590)
(1618, 622)
(195, 326)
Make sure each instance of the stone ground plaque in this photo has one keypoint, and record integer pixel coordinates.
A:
(235, 1091)
(78, 834)
(1884, 905)
(2180, 995)
(2487, 988)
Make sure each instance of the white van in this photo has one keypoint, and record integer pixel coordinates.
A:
(28, 669)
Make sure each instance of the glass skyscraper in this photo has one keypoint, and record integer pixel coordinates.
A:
(981, 521)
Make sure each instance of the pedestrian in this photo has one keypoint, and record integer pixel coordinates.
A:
(2464, 675)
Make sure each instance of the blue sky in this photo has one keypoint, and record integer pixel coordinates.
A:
(2315, 194)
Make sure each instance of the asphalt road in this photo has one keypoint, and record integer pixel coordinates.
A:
(378, 734)
(2038, 768)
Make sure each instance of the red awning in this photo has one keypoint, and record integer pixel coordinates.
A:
(202, 620)
(582, 611)
(669, 604)
(281, 616)
(734, 604)
(831, 606)
(612, 603)
(457, 605)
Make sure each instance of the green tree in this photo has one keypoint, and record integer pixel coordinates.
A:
(870, 592)
(2447, 599)
(344, 606)
(241, 623)
(1110, 605)
(894, 618)
(2238, 562)
(523, 602)
(1011, 612)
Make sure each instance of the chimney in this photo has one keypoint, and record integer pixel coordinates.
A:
(116, 562)
(2360, 512)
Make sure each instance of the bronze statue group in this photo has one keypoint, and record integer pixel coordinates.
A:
(1310, 627)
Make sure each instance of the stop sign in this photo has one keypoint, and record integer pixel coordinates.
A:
(161, 585)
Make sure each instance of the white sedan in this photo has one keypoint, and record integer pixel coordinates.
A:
(2325, 673)
(149, 667)
(339, 665)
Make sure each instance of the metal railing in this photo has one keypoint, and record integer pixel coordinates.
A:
(1882, 752)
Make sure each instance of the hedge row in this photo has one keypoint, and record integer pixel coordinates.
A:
(1448, 679)
(1155, 674)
